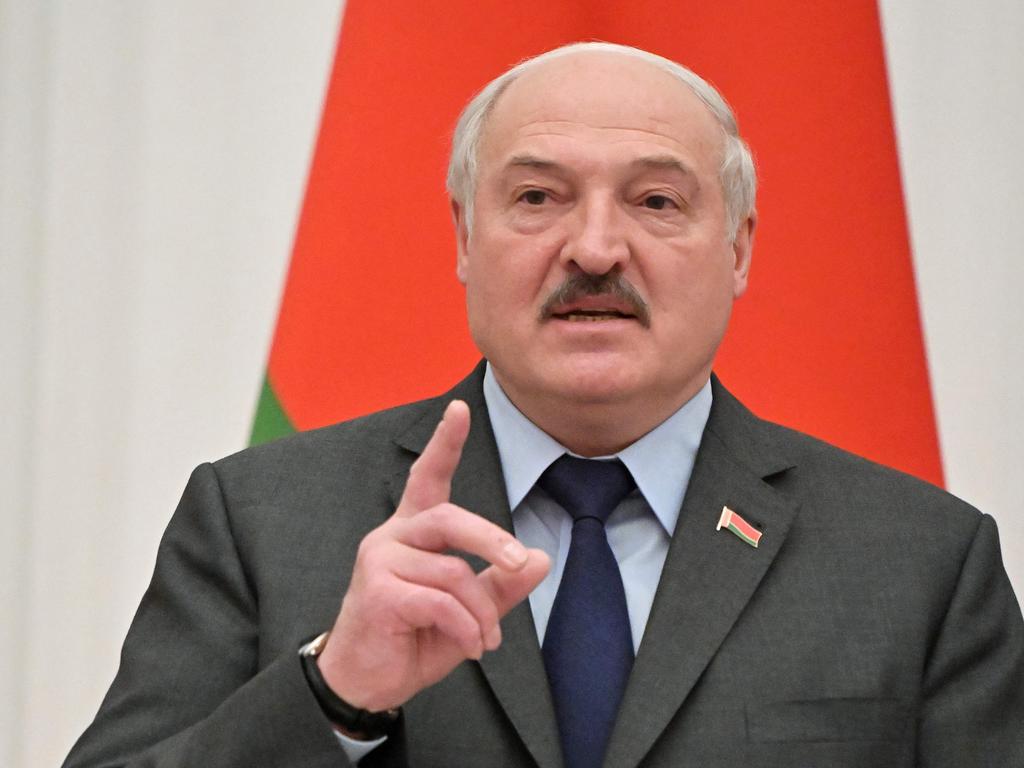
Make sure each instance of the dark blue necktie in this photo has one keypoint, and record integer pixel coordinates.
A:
(588, 647)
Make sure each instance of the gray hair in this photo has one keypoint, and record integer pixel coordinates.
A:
(736, 172)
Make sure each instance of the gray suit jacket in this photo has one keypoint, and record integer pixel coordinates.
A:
(874, 625)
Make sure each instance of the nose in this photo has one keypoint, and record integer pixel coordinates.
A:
(597, 242)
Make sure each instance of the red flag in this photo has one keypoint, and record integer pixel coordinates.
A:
(732, 521)
(828, 337)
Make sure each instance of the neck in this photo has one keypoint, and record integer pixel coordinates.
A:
(598, 428)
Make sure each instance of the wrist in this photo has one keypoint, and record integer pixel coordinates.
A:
(349, 720)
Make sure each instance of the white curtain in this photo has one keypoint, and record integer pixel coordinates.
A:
(152, 162)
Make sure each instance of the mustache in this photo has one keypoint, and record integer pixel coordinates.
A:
(582, 284)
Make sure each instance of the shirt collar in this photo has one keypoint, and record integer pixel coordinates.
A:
(661, 461)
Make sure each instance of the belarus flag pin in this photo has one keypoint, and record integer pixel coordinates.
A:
(733, 522)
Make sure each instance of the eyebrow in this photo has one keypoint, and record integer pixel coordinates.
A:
(531, 161)
(663, 163)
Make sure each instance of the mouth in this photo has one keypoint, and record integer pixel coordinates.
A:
(591, 315)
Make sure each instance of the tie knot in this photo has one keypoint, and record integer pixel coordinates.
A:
(587, 487)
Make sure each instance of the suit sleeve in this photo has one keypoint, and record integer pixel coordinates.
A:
(972, 713)
(188, 691)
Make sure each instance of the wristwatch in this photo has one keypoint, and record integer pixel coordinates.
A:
(361, 724)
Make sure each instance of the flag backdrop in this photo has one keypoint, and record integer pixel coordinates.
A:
(827, 340)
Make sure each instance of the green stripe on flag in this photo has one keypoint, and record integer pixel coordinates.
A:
(271, 421)
(739, 532)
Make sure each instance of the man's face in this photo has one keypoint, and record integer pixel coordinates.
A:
(594, 165)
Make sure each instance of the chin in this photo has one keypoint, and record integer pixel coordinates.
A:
(594, 384)
(578, 379)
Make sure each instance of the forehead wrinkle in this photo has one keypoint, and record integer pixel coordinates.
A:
(542, 127)
(674, 145)
(683, 143)
(653, 162)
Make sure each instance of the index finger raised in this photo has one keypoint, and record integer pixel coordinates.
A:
(430, 477)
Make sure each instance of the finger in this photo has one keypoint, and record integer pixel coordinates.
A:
(424, 607)
(447, 526)
(453, 575)
(509, 588)
(430, 477)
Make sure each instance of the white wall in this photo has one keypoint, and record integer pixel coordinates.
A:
(154, 157)
(152, 161)
(954, 70)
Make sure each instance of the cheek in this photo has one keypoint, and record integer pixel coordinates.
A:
(509, 271)
(495, 297)
(699, 289)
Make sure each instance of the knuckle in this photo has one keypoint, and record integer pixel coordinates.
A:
(441, 602)
(368, 552)
(374, 562)
(443, 513)
(364, 553)
(407, 599)
(455, 569)
(417, 605)
(489, 613)
(417, 468)
(436, 518)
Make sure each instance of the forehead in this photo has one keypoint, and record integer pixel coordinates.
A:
(603, 100)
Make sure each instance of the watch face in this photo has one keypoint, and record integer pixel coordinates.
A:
(314, 646)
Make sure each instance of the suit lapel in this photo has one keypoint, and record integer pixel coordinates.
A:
(708, 578)
(515, 672)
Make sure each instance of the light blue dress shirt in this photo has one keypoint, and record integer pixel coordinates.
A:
(639, 529)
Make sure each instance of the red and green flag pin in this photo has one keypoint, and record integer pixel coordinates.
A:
(733, 522)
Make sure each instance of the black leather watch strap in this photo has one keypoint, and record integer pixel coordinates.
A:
(361, 723)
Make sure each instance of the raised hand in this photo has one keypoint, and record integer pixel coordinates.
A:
(412, 612)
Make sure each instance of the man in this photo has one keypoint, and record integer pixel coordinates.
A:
(603, 202)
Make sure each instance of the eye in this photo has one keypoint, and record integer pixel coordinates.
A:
(659, 202)
(534, 197)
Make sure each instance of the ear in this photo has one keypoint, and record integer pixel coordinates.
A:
(742, 248)
(461, 239)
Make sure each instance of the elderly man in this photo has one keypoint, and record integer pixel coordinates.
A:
(704, 588)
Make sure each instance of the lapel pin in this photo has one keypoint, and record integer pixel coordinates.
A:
(735, 523)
